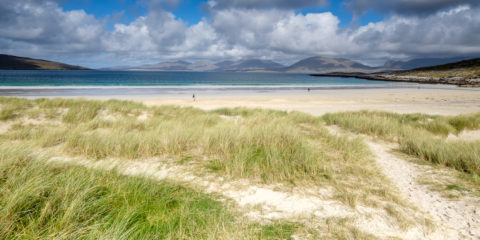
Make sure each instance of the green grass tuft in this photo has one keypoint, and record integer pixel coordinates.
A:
(39, 200)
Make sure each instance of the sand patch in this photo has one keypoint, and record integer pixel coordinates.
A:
(5, 126)
(458, 219)
(40, 121)
(105, 115)
(143, 116)
(466, 135)
(235, 119)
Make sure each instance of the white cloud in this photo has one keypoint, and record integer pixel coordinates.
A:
(36, 23)
(43, 29)
(453, 32)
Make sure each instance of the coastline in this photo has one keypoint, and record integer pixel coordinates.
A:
(448, 101)
(421, 98)
(463, 82)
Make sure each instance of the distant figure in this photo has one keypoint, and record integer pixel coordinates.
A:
(308, 89)
(193, 96)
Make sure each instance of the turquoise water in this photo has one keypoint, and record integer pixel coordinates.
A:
(172, 84)
(123, 78)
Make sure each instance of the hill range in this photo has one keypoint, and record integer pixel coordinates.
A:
(9, 62)
(309, 65)
(312, 65)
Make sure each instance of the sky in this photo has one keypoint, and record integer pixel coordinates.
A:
(134, 32)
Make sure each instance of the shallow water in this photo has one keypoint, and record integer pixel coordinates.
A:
(126, 83)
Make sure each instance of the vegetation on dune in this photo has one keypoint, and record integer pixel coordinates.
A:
(464, 69)
(420, 135)
(261, 145)
(39, 200)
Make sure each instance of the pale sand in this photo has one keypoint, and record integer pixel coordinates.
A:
(443, 101)
(458, 219)
(455, 219)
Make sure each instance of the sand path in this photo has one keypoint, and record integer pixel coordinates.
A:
(458, 219)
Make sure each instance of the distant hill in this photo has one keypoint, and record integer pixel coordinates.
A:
(468, 69)
(200, 66)
(8, 62)
(250, 65)
(224, 64)
(164, 66)
(309, 65)
(421, 62)
(325, 65)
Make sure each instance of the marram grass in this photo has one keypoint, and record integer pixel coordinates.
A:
(269, 146)
(55, 201)
(261, 144)
(420, 135)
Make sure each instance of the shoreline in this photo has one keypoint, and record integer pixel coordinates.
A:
(410, 79)
(416, 98)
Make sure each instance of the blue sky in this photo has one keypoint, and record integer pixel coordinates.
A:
(191, 12)
(133, 32)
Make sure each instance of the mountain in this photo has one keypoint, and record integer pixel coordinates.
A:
(202, 66)
(9, 62)
(421, 62)
(224, 64)
(250, 65)
(164, 66)
(308, 65)
(326, 65)
(199, 66)
(115, 68)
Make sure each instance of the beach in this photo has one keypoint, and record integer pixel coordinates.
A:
(398, 98)
(442, 101)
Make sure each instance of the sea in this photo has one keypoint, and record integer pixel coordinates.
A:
(164, 84)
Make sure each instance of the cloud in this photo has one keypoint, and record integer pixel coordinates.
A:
(278, 32)
(42, 24)
(42, 29)
(453, 32)
(406, 7)
(158, 31)
(263, 4)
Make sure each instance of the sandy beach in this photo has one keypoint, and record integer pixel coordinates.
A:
(443, 101)
(418, 98)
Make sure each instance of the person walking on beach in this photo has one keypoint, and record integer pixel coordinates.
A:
(193, 96)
